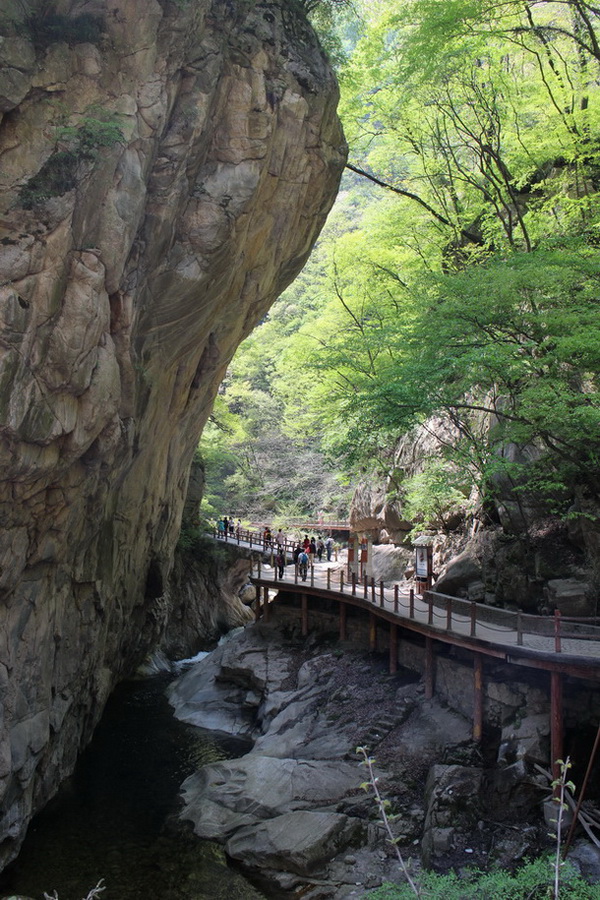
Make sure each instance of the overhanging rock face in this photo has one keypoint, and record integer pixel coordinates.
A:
(130, 269)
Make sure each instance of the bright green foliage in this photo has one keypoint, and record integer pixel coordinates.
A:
(92, 133)
(470, 288)
(254, 468)
(433, 495)
(78, 143)
(534, 881)
(467, 286)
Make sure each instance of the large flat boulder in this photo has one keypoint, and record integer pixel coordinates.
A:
(299, 842)
(224, 691)
(222, 797)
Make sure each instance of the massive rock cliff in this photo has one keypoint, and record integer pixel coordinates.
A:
(165, 168)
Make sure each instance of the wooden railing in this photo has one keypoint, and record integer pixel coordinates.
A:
(444, 613)
(255, 541)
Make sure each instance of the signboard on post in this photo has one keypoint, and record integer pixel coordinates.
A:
(423, 562)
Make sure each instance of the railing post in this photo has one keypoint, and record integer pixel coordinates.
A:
(372, 633)
(557, 645)
(473, 618)
(328, 579)
(396, 589)
(393, 648)
(478, 697)
(312, 576)
(381, 594)
(429, 668)
(373, 589)
(449, 614)
(411, 604)
(354, 584)
(343, 625)
(258, 562)
(556, 728)
(519, 629)
(429, 598)
(342, 582)
(257, 604)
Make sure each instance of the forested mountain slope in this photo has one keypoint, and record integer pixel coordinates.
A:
(455, 290)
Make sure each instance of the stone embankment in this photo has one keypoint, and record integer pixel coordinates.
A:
(293, 808)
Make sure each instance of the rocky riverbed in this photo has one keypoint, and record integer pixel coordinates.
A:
(293, 811)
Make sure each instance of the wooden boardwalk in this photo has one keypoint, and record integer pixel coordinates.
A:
(571, 645)
(559, 645)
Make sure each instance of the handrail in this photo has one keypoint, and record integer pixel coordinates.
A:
(443, 612)
(255, 539)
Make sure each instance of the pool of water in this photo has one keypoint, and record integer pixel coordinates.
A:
(114, 819)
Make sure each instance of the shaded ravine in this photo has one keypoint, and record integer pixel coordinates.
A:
(114, 818)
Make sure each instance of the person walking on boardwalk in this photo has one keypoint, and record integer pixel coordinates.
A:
(295, 554)
(280, 538)
(306, 543)
(329, 547)
(280, 561)
(311, 550)
(320, 548)
(303, 564)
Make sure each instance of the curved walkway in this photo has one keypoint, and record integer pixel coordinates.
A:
(560, 646)
(554, 642)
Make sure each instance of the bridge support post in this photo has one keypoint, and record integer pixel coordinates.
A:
(372, 633)
(429, 673)
(477, 697)
(393, 648)
(343, 622)
(304, 615)
(556, 725)
(257, 604)
(353, 554)
(266, 603)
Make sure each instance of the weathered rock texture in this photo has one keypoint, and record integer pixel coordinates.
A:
(291, 806)
(511, 553)
(125, 287)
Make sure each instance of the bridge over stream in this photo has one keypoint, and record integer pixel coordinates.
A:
(559, 645)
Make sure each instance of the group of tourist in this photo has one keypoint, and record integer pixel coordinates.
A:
(226, 526)
(304, 553)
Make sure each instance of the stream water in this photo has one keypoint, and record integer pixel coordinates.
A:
(114, 818)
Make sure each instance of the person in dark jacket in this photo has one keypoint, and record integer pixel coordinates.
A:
(280, 562)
